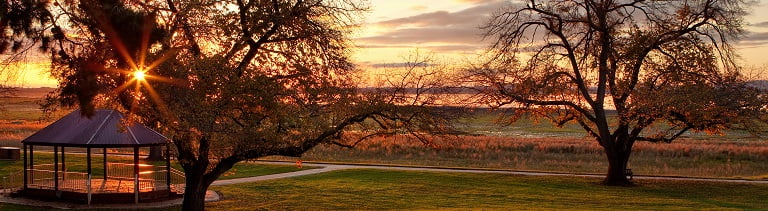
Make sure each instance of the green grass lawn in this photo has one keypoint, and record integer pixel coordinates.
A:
(363, 189)
(379, 189)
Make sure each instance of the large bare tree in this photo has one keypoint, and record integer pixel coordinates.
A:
(230, 80)
(625, 70)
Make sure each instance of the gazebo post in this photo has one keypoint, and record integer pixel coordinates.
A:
(88, 160)
(56, 168)
(168, 166)
(136, 173)
(63, 165)
(32, 163)
(105, 164)
(25, 166)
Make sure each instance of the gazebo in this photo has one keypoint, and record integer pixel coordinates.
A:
(120, 182)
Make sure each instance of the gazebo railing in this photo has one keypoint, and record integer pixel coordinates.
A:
(120, 178)
(71, 181)
(178, 181)
(40, 177)
(125, 170)
(150, 177)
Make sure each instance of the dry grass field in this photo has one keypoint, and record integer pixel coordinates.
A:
(12, 132)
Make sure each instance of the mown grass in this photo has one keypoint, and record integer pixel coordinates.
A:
(381, 189)
(364, 189)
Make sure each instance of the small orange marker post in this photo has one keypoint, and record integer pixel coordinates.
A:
(298, 164)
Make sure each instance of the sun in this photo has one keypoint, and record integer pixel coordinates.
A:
(139, 74)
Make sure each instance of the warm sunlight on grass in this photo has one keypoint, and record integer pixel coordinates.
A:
(400, 190)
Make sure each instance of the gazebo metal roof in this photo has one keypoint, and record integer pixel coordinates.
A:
(104, 129)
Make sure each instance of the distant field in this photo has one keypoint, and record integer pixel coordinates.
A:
(11, 132)
(400, 190)
(37, 93)
(20, 115)
(528, 144)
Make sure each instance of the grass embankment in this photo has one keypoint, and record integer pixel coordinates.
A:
(380, 189)
(686, 157)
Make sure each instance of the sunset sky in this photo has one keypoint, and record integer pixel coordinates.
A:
(447, 29)
(450, 28)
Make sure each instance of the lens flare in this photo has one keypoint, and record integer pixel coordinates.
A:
(139, 74)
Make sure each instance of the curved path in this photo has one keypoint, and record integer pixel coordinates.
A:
(326, 167)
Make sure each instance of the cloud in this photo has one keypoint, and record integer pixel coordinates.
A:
(437, 47)
(476, 1)
(753, 40)
(427, 35)
(419, 8)
(760, 24)
(748, 45)
(756, 36)
(448, 30)
(398, 65)
(474, 16)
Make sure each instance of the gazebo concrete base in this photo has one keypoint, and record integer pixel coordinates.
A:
(210, 196)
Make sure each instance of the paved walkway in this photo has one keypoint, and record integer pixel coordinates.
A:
(333, 167)
(327, 167)
(323, 168)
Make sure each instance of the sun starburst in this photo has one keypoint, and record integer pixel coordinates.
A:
(139, 74)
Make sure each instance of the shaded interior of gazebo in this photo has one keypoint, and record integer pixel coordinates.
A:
(117, 182)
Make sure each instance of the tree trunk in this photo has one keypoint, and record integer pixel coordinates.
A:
(194, 192)
(617, 165)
